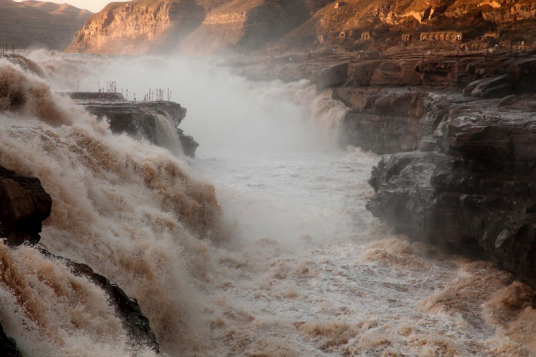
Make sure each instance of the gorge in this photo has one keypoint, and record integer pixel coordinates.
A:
(288, 235)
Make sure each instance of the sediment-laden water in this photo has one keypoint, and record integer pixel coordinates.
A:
(262, 246)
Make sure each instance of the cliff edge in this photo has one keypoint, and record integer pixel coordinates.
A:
(274, 26)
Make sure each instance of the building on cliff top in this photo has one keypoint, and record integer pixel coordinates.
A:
(452, 36)
(410, 36)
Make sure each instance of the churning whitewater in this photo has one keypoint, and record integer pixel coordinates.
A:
(261, 246)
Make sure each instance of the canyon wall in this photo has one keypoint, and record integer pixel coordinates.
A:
(227, 26)
(200, 27)
(138, 27)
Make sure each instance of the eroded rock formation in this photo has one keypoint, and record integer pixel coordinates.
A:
(475, 192)
(384, 120)
(190, 26)
(138, 27)
(156, 122)
(242, 25)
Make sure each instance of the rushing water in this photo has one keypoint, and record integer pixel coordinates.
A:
(288, 262)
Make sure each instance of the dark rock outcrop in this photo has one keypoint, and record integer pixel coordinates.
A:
(495, 87)
(383, 120)
(156, 122)
(478, 194)
(24, 205)
(134, 322)
(332, 76)
(8, 347)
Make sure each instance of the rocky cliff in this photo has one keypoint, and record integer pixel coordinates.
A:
(473, 191)
(144, 26)
(385, 21)
(139, 27)
(223, 26)
(243, 25)
(39, 24)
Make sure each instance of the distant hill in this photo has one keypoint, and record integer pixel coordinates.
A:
(39, 24)
(223, 26)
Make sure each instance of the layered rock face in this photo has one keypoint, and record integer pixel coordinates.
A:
(223, 26)
(383, 120)
(386, 20)
(139, 27)
(39, 24)
(196, 27)
(244, 25)
(474, 192)
(156, 122)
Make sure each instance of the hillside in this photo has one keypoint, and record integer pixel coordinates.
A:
(224, 26)
(39, 24)
(386, 21)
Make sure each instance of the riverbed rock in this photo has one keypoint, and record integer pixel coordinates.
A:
(383, 120)
(495, 87)
(24, 204)
(509, 99)
(477, 196)
(156, 121)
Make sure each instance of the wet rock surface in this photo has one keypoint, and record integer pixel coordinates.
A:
(153, 121)
(459, 131)
(383, 120)
(8, 347)
(474, 193)
(24, 205)
(127, 308)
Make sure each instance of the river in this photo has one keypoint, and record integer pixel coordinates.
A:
(289, 262)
